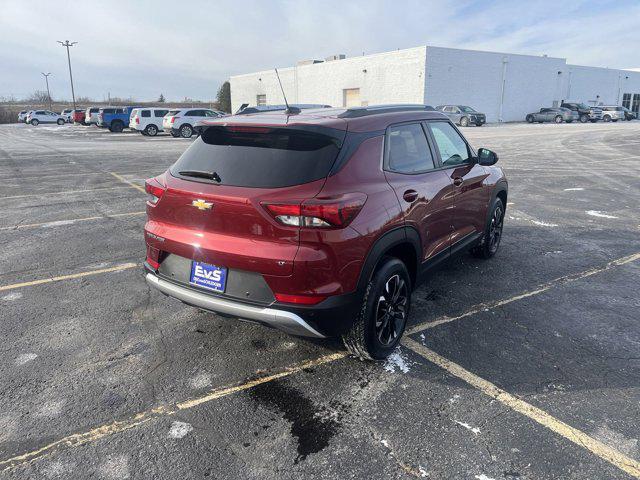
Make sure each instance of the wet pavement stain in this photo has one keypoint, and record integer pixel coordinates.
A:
(310, 424)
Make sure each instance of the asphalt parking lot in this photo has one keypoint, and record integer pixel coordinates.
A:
(526, 366)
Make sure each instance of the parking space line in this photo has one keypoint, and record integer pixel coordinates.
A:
(70, 221)
(95, 434)
(131, 184)
(46, 194)
(539, 289)
(117, 268)
(536, 414)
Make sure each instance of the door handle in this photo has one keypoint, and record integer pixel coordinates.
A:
(410, 196)
(458, 181)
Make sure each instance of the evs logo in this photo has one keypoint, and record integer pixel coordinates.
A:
(208, 276)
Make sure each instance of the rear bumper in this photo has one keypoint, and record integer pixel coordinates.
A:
(286, 321)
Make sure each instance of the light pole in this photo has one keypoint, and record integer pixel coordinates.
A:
(46, 79)
(68, 44)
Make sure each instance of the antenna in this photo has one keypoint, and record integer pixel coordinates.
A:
(289, 110)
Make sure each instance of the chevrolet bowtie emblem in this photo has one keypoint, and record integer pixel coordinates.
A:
(201, 204)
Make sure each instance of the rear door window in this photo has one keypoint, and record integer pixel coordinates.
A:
(146, 113)
(159, 113)
(451, 146)
(261, 157)
(407, 150)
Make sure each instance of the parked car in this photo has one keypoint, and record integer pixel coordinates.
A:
(78, 116)
(66, 114)
(556, 114)
(628, 114)
(44, 116)
(101, 112)
(181, 122)
(612, 113)
(147, 121)
(585, 112)
(116, 120)
(296, 223)
(463, 115)
(91, 116)
(22, 115)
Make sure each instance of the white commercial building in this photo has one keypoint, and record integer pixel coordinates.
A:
(504, 86)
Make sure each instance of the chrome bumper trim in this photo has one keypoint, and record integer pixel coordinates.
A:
(281, 319)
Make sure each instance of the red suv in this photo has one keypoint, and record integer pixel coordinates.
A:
(321, 223)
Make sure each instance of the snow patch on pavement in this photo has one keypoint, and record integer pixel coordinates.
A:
(474, 430)
(179, 429)
(25, 358)
(12, 296)
(397, 361)
(596, 213)
(576, 189)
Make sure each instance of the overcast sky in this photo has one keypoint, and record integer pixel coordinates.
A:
(188, 48)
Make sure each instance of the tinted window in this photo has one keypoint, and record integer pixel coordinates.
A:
(407, 150)
(453, 149)
(94, 110)
(194, 113)
(40, 112)
(145, 113)
(159, 113)
(108, 110)
(271, 158)
(173, 112)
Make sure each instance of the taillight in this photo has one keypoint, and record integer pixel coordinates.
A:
(172, 119)
(155, 189)
(137, 120)
(333, 212)
(153, 257)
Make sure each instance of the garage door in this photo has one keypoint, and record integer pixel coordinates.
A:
(351, 97)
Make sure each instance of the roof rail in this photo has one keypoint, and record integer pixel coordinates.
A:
(355, 112)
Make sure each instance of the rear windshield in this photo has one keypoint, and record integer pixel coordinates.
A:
(94, 110)
(173, 112)
(261, 158)
(108, 110)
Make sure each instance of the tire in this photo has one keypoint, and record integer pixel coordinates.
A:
(478, 124)
(151, 130)
(142, 132)
(60, 121)
(614, 120)
(116, 126)
(186, 130)
(35, 122)
(584, 118)
(464, 122)
(490, 241)
(558, 119)
(368, 338)
(529, 119)
(606, 118)
(569, 121)
(175, 135)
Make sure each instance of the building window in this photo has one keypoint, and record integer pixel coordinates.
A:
(351, 97)
(635, 106)
(261, 100)
(626, 100)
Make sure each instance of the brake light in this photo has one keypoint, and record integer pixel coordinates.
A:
(333, 212)
(172, 119)
(137, 120)
(155, 189)
(242, 129)
(299, 299)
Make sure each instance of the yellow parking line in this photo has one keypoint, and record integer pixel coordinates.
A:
(46, 194)
(117, 268)
(131, 184)
(572, 434)
(103, 431)
(539, 289)
(70, 221)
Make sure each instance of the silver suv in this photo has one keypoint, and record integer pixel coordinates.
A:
(612, 113)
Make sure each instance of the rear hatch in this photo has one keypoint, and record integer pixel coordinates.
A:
(166, 121)
(213, 209)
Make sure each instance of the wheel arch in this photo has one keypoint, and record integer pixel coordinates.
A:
(402, 243)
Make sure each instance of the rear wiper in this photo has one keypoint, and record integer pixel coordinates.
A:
(201, 174)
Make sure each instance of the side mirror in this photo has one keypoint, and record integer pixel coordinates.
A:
(487, 157)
